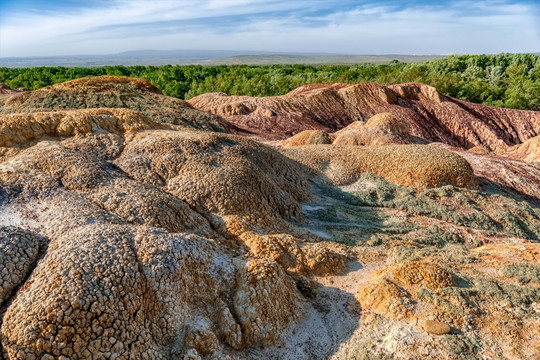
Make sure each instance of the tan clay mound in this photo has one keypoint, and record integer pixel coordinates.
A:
(381, 129)
(308, 137)
(49, 165)
(419, 273)
(479, 150)
(113, 92)
(106, 81)
(415, 166)
(330, 107)
(392, 291)
(20, 129)
(19, 249)
(143, 293)
(528, 151)
(387, 123)
(296, 257)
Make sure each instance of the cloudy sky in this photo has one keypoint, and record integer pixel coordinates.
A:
(66, 27)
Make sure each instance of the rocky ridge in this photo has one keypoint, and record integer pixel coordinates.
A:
(112, 92)
(330, 107)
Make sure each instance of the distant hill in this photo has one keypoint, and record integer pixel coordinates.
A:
(203, 57)
(283, 59)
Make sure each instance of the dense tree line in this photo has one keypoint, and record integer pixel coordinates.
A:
(509, 80)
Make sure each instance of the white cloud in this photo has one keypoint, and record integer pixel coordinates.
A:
(277, 25)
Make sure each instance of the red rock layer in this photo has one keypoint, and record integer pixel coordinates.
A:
(501, 172)
(330, 107)
(6, 90)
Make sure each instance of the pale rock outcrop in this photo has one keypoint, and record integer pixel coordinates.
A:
(384, 128)
(19, 250)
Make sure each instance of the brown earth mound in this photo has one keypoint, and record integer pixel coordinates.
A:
(220, 174)
(415, 166)
(330, 107)
(112, 92)
(308, 137)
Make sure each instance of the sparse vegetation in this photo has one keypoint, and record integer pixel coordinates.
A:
(375, 211)
(449, 203)
(522, 272)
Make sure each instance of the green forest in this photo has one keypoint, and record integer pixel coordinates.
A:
(508, 80)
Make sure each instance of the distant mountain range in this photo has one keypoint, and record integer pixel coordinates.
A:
(204, 57)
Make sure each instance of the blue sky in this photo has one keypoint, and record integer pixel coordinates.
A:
(66, 27)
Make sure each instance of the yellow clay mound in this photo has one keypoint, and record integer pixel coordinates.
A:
(419, 273)
(528, 151)
(387, 123)
(384, 128)
(262, 284)
(308, 137)
(479, 150)
(387, 299)
(504, 253)
(393, 290)
(19, 129)
(100, 81)
(321, 258)
(415, 166)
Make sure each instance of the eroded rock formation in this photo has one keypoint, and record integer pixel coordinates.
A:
(127, 233)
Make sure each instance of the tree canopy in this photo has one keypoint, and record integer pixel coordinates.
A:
(508, 80)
